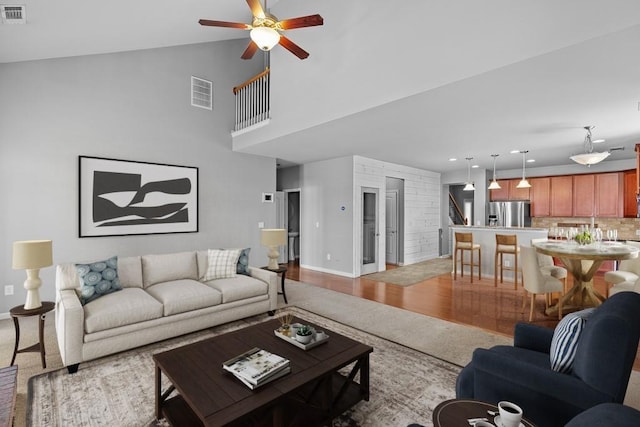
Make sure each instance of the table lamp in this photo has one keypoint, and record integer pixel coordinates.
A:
(272, 238)
(32, 255)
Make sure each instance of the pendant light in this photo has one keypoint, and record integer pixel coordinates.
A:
(494, 184)
(469, 185)
(589, 158)
(523, 182)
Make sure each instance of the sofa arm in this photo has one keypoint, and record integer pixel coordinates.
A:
(69, 326)
(533, 337)
(271, 279)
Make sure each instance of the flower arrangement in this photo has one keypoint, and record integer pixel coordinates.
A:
(584, 238)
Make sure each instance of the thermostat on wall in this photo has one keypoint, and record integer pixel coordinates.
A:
(267, 197)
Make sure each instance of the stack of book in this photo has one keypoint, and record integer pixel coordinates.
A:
(257, 367)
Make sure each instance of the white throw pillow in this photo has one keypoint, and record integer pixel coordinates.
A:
(221, 263)
(565, 340)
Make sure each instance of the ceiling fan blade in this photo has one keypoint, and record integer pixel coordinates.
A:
(211, 23)
(250, 50)
(256, 8)
(293, 48)
(301, 22)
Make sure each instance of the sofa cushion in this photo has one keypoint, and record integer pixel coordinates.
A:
(222, 263)
(565, 340)
(97, 279)
(128, 306)
(241, 268)
(130, 271)
(239, 287)
(167, 267)
(178, 296)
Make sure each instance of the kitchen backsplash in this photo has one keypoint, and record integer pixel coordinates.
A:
(626, 226)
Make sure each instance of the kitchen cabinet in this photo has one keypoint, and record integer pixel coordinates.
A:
(561, 199)
(517, 193)
(540, 192)
(501, 193)
(630, 209)
(584, 195)
(609, 194)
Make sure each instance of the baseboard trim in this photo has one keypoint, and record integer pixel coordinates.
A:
(4, 316)
(327, 270)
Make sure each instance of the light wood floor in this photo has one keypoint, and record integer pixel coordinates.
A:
(480, 304)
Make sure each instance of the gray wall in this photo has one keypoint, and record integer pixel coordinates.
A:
(289, 178)
(324, 227)
(133, 106)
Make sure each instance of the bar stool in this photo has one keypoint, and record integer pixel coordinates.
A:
(464, 242)
(506, 244)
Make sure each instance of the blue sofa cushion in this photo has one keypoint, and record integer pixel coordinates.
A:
(97, 279)
(565, 340)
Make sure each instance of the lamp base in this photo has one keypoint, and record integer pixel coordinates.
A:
(32, 285)
(273, 255)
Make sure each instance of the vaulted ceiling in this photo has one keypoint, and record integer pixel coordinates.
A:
(413, 82)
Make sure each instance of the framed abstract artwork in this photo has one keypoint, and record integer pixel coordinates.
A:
(124, 197)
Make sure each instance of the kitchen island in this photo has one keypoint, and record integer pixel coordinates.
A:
(486, 238)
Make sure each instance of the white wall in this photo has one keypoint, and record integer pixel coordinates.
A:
(132, 106)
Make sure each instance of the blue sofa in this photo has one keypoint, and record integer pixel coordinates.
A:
(522, 373)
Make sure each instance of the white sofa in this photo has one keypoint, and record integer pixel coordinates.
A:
(162, 296)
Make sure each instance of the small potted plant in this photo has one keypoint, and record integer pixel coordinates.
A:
(304, 334)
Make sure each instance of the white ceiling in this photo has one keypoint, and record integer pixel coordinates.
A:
(563, 65)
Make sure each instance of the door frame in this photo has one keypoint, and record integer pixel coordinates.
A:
(372, 267)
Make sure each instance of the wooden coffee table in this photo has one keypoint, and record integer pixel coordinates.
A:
(314, 392)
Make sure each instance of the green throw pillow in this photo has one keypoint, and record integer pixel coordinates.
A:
(98, 278)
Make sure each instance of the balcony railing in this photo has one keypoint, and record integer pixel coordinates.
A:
(252, 101)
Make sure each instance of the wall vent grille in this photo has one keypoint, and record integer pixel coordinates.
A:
(201, 93)
(13, 14)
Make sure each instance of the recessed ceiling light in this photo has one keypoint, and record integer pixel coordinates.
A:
(531, 160)
(514, 152)
(452, 159)
(475, 167)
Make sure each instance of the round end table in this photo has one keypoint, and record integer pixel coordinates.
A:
(19, 311)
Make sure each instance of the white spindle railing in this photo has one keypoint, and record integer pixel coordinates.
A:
(252, 101)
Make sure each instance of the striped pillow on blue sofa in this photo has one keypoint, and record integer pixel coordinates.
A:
(565, 340)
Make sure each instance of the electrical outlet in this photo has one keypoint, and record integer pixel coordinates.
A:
(8, 290)
(328, 257)
(261, 224)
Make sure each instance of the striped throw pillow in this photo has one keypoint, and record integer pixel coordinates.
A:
(221, 263)
(565, 340)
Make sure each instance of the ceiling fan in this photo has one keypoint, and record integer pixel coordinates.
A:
(265, 30)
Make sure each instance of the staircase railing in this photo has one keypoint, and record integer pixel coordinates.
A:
(252, 101)
(457, 213)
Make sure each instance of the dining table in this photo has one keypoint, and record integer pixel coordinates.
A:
(583, 261)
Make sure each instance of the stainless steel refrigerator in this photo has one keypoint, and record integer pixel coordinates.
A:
(509, 214)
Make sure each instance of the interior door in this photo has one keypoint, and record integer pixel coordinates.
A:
(391, 227)
(369, 230)
(281, 222)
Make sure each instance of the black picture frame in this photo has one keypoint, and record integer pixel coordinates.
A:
(126, 197)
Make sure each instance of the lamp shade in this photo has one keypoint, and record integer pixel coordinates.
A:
(588, 159)
(265, 37)
(32, 254)
(273, 237)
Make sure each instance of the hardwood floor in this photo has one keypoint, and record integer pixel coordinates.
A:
(480, 304)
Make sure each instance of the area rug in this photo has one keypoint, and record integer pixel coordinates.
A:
(411, 274)
(119, 390)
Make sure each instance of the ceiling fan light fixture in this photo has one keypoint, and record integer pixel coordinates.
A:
(589, 157)
(265, 37)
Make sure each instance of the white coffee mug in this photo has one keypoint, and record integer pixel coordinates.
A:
(483, 424)
(510, 414)
(320, 335)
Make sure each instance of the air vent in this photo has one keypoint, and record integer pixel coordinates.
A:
(13, 14)
(201, 93)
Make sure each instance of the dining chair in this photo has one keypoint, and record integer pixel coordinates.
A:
(628, 271)
(506, 244)
(626, 286)
(548, 267)
(535, 282)
(464, 242)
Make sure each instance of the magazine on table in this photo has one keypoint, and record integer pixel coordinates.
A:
(257, 366)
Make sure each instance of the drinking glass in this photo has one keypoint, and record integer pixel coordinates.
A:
(562, 233)
(597, 235)
(609, 235)
(615, 235)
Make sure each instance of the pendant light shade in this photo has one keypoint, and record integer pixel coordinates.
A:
(469, 185)
(494, 184)
(589, 158)
(523, 182)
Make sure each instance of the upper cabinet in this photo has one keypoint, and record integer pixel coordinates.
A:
(517, 193)
(540, 196)
(609, 194)
(561, 195)
(630, 189)
(584, 195)
(501, 193)
(508, 191)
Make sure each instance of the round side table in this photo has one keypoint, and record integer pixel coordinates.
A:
(19, 311)
(456, 412)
